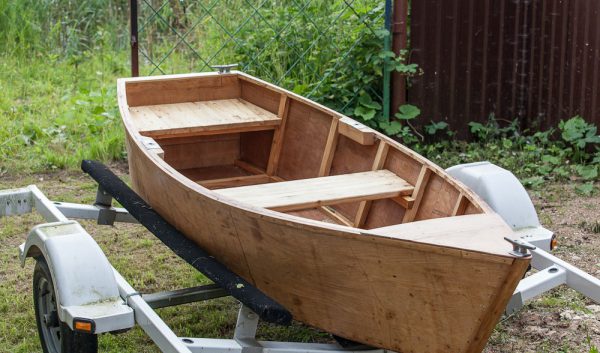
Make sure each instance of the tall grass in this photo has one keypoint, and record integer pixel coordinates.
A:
(58, 64)
(59, 60)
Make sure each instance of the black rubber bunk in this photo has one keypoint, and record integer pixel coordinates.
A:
(267, 308)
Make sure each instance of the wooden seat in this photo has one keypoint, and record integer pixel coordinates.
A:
(315, 192)
(201, 118)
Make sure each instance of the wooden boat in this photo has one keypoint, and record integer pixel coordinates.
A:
(351, 231)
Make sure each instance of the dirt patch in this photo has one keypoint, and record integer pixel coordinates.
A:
(562, 320)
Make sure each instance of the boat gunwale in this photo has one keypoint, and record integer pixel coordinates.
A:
(298, 222)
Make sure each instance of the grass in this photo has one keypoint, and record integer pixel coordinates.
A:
(53, 113)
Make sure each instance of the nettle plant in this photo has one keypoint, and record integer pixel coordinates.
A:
(370, 111)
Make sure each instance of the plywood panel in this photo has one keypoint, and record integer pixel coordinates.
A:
(260, 96)
(202, 152)
(403, 165)
(304, 142)
(439, 199)
(184, 89)
(255, 147)
(384, 213)
(351, 157)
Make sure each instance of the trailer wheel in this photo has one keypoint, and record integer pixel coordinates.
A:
(55, 336)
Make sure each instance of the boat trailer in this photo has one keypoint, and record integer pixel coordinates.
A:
(78, 294)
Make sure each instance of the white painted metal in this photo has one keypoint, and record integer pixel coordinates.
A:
(577, 279)
(78, 211)
(83, 281)
(148, 320)
(534, 285)
(501, 190)
(209, 345)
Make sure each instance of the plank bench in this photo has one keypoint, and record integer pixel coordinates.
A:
(201, 118)
(315, 192)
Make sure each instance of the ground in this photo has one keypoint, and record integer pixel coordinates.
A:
(561, 321)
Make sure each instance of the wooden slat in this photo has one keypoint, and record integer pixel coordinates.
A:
(284, 108)
(460, 206)
(315, 192)
(405, 201)
(336, 215)
(332, 139)
(417, 194)
(378, 162)
(235, 181)
(201, 118)
(357, 131)
(250, 168)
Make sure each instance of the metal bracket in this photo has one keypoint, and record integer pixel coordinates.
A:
(224, 69)
(106, 213)
(520, 248)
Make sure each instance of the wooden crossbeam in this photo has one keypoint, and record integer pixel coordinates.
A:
(461, 205)
(284, 108)
(378, 163)
(330, 146)
(418, 193)
(235, 181)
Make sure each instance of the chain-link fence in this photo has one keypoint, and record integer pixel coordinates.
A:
(328, 51)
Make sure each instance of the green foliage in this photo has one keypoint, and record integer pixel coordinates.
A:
(329, 53)
(563, 154)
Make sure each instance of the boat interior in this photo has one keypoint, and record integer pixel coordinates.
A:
(264, 146)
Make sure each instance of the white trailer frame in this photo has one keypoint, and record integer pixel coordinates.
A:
(109, 301)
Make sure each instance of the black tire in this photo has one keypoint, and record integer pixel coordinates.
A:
(55, 336)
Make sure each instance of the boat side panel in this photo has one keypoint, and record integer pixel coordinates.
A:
(438, 200)
(203, 220)
(374, 290)
(304, 142)
(255, 147)
(384, 212)
(204, 151)
(351, 157)
(260, 96)
(186, 89)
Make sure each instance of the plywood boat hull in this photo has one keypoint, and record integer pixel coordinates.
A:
(394, 287)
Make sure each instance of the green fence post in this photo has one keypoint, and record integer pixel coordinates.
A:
(386, 62)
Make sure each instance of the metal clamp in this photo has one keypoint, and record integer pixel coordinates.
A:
(224, 69)
(126, 299)
(520, 248)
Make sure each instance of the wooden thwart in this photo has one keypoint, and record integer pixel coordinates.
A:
(315, 192)
(201, 118)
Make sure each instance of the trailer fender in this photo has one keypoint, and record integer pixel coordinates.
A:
(507, 197)
(83, 278)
